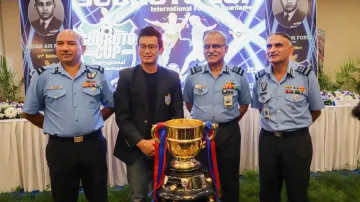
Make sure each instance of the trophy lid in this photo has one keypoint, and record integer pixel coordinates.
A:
(183, 123)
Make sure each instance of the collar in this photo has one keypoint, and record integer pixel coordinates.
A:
(292, 66)
(47, 22)
(291, 14)
(224, 69)
(59, 69)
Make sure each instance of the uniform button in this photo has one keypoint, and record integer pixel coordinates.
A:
(77, 132)
(145, 121)
(214, 104)
(278, 84)
(74, 93)
(77, 119)
(278, 110)
(75, 106)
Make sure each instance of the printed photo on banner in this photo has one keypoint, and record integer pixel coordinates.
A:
(46, 16)
(290, 13)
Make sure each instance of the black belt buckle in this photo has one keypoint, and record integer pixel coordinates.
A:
(278, 134)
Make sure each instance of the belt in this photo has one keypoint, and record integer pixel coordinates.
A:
(283, 134)
(77, 139)
(229, 122)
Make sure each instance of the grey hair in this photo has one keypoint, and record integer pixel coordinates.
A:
(286, 36)
(214, 32)
(78, 36)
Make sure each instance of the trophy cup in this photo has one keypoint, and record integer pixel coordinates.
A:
(185, 178)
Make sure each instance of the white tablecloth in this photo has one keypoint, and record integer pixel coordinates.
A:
(335, 137)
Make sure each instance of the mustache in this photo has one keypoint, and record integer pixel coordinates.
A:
(211, 54)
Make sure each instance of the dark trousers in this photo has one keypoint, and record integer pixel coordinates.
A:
(288, 159)
(227, 142)
(71, 162)
(139, 176)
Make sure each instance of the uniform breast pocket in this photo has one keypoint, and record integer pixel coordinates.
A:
(92, 97)
(200, 91)
(56, 99)
(296, 102)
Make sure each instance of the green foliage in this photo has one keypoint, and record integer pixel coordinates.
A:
(347, 78)
(325, 82)
(9, 89)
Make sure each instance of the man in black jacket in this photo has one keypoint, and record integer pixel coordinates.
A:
(291, 16)
(47, 24)
(146, 94)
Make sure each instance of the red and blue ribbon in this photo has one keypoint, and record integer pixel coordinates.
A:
(211, 152)
(159, 158)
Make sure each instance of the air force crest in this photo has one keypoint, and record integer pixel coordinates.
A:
(167, 99)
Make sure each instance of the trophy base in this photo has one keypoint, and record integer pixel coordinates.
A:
(185, 164)
(180, 185)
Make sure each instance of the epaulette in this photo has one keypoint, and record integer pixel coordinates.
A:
(195, 69)
(260, 74)
(97, 67)
(304, 70)
(41, 69)
(32, 73)
(238, 70)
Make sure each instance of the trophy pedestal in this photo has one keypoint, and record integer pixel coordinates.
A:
(191, 184)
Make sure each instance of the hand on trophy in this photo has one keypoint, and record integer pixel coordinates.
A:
(147, 147)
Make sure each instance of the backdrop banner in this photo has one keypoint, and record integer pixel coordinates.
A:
(297, 18)
(110, 30)
(41, 21)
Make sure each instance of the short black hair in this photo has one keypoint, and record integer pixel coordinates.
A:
(286, 36)
(356, 111)
(151, 31)
(52, 1)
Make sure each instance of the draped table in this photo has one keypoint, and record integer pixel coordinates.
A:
(335, 137)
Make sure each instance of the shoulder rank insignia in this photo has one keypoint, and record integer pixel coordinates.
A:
(260, 74)
(195, 69)
(97, 67)
(41, 69)
(238, 70)
(304, 70)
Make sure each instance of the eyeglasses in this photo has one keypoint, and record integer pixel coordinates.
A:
(214, 46)
(151, 47)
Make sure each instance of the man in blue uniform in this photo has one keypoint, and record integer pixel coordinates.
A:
(145, 95)
(214, 92)
(70, 94)
(288, 97)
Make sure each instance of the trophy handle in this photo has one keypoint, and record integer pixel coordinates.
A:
(153, 133)
(213, 128)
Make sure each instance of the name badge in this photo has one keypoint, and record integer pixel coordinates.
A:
(55, 87)
(228, 102)
(266, 112)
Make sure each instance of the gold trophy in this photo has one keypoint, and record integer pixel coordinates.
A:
(185, 178)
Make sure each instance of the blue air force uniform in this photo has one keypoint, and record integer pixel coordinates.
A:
(73, 120)
(285, 148)
(217, 100)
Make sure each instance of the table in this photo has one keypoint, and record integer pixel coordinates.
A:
(335, 136)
